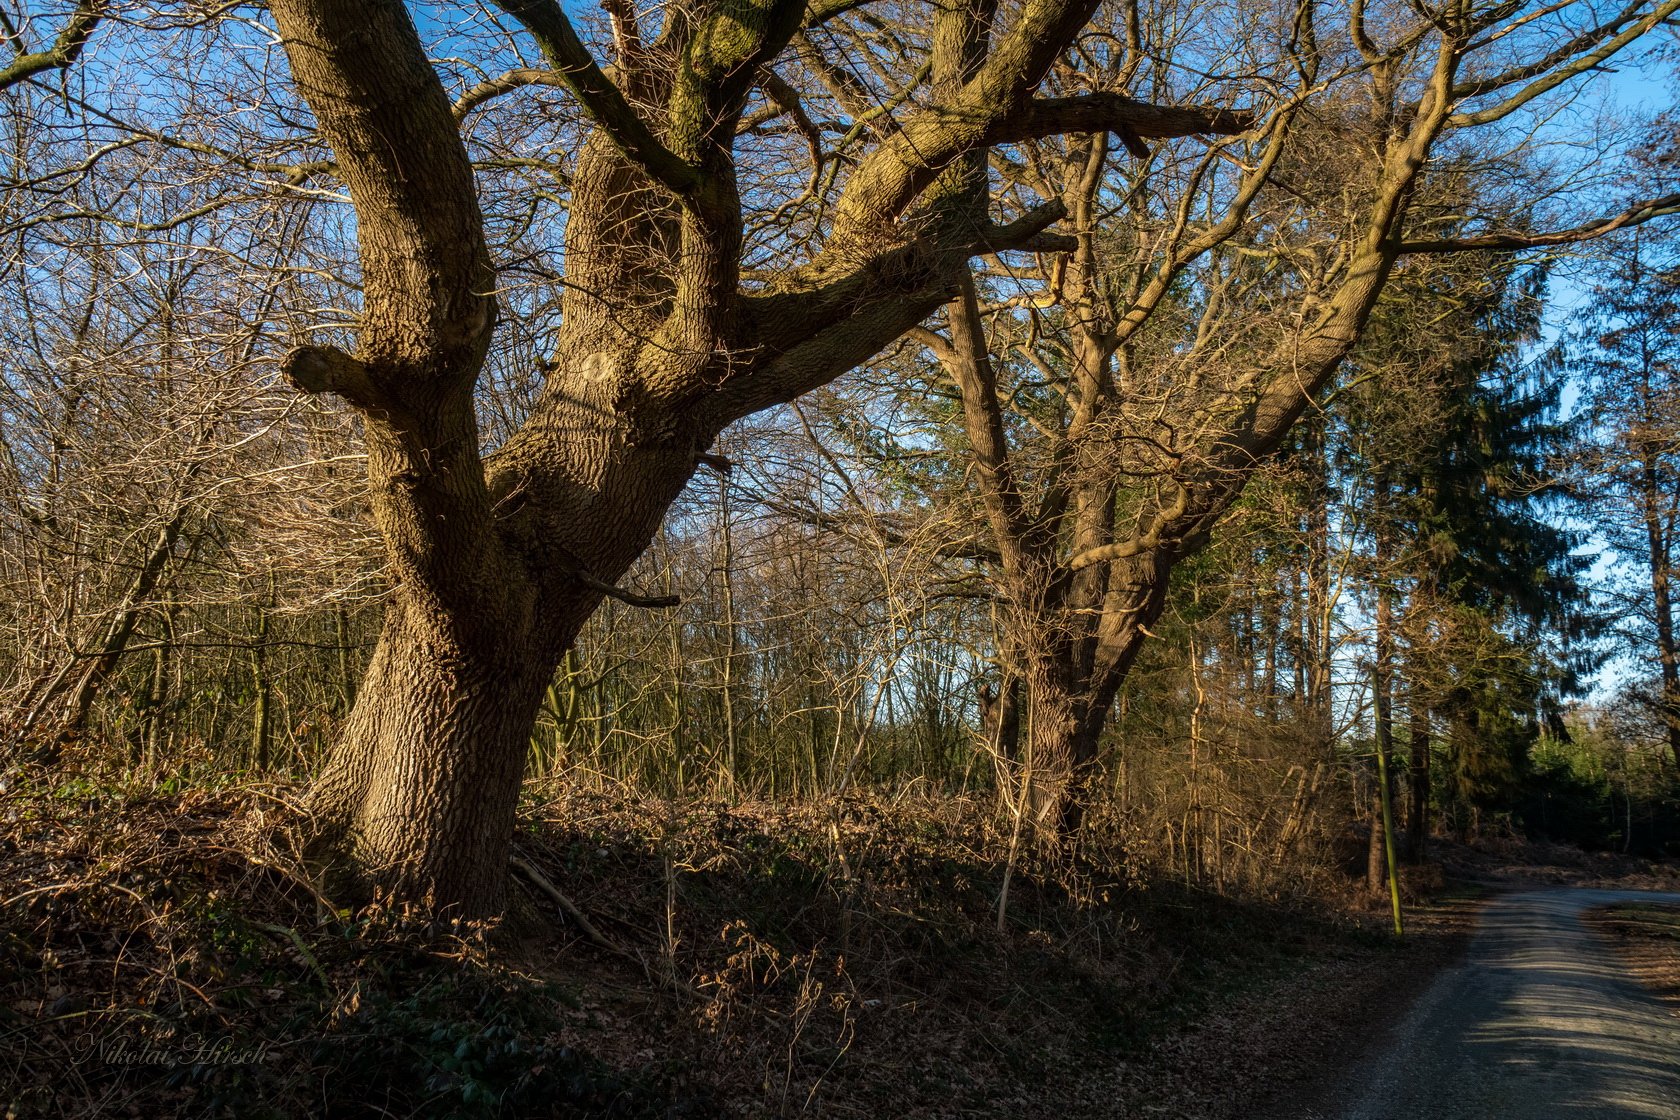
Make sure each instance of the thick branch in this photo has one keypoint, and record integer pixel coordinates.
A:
(1110, 112)
(426, 270)
(968, 363)
(1028, 232)
(819, 335)
(327, 369)
(427, 309)
(898, 170)
(65, 49)
(1167, 524)
(819, 12)
(1634, 215)
(788, 319)
(809, 337)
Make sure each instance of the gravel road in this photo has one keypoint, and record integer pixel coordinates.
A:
(1538, 1023)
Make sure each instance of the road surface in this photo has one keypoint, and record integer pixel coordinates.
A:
(1539, 1022)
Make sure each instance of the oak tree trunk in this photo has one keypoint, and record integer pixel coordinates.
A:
(422, 785)
(1049, 778)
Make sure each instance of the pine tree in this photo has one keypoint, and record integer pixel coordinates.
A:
(1628, 354)
(1478, 575)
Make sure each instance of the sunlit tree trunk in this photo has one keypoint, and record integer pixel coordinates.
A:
(1419, 748)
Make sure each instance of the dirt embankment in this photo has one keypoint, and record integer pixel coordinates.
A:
(165, 955)
(1647, 939)
(1508, 864)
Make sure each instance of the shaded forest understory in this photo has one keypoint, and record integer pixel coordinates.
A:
(167, 955)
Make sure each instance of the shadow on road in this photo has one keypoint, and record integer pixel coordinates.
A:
(1539, 1022)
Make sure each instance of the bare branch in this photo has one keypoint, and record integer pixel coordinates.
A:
(1635, 215)
(492, 88)
(786, 98)
(1563, 64)
(605, 103)
(613, 591)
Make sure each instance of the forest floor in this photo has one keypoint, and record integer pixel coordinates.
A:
(161, 954)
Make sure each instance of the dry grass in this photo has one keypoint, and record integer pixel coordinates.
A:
(836, 959)
(1513, 862)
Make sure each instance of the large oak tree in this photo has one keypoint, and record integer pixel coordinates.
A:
(498, 561)
(665, 338)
